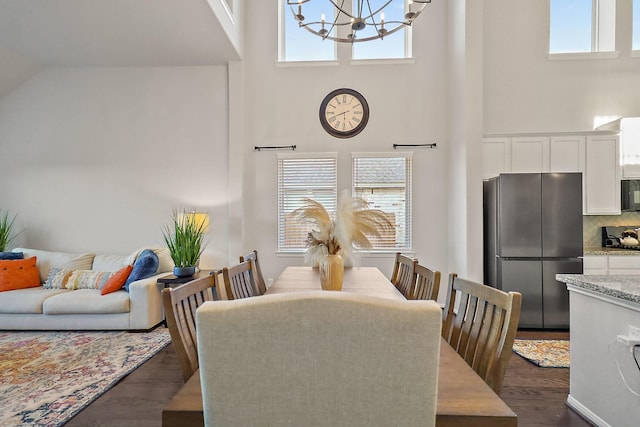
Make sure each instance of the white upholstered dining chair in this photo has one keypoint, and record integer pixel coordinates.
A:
(319, 359)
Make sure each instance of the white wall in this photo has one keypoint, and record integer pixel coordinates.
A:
(95, 159)
(408, 104)
(524, 91)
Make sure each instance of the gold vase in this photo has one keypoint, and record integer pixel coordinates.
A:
(331, 272)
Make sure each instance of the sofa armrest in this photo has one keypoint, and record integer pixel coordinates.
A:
(146, 302)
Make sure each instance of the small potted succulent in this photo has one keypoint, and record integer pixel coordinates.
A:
(6, 230)
(184, 238)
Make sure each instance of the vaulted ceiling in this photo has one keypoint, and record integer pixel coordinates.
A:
(79, 33)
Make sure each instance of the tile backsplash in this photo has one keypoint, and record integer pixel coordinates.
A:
(591, 225)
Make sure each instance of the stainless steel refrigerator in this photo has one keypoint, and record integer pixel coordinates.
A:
(532, 231)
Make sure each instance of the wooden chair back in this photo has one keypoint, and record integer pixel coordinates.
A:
(259, 279)
(239, 280)
(484, 327)
(427, 283)
(403, 276)
(180, 304)
(317, 365)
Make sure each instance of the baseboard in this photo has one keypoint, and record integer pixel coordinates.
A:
(586, 413)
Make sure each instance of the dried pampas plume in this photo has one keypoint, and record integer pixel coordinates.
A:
(354, 224)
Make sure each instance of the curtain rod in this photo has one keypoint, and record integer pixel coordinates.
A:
(276, 147)
(433, 145)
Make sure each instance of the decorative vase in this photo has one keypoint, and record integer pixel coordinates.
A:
(184, 271)
(331, 272)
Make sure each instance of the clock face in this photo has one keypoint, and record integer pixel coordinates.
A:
(344, 113)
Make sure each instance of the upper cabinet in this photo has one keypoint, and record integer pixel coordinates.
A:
(596, 156)
(630, 147)
(601, 177)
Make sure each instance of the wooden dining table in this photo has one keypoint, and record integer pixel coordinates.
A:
(464, 399)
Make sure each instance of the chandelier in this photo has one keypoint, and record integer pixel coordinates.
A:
(364, 16)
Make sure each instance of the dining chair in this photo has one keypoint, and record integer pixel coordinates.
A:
(307, 359)
(427, 284)
(403, 276)
(239, 280)
(180, 304)
(259, 279)
(483, 328)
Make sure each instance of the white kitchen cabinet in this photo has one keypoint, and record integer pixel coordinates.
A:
(624, 265)
(522, 154)
(602, 176)
(611, 265)
(496, 156)
(595, 265)
(566, 153)
(596, 156)
(529, 154)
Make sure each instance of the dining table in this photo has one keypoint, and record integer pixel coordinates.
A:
(463, 399)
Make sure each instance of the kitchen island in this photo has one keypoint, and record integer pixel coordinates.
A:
(601, 308)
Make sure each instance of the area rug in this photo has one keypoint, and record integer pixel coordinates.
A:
(48, 377)
(544, 353)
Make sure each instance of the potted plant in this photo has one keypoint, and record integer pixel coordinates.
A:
(332, 240)
(6, 230)
(184, 238)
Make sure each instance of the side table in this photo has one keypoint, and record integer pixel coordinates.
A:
(173, 281)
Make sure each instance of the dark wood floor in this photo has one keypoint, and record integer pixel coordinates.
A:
(536, 394)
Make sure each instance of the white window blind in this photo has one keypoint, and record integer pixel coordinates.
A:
(299, 178)
(384, 181)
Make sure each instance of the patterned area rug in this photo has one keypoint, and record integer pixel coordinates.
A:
(544, 353)
(48, 377)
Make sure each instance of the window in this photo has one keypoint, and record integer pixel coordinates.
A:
(384, 181)
(313, 177)
(298, 44)
(636, 25)
(582, 26)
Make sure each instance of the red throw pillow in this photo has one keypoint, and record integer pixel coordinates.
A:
(19, 274)
(116, 282)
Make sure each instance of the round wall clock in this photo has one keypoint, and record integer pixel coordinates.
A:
(344, 113)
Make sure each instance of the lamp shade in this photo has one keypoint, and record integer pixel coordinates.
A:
(199, 220)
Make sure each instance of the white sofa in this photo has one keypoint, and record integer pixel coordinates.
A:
(84, 309)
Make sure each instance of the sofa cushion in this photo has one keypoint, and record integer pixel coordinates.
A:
(117, 280)
(145, 266)
(48, 259)
(64, 278)
(164, 258)
(87, 301)
(109, 262)
(26, 301)
(11, 255)
(19, 274)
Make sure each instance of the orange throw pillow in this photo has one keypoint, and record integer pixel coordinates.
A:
(116, 282)
(19, 274)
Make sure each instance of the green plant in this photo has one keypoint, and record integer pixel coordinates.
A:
(6, 230)
(184, 238)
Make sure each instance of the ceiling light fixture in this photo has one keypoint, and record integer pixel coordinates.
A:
(365, 16)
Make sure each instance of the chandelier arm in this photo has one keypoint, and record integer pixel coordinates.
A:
(380, 9)
(353, 40)
(340, 9)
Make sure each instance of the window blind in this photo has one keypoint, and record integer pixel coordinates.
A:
(300, 178)
(385, 183)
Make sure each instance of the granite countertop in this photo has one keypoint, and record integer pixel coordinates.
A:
(623, 287)
(596, 250)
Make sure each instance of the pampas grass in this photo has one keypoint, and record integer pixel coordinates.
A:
(353, 225)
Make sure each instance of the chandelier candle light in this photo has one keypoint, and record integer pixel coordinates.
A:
(356, 16)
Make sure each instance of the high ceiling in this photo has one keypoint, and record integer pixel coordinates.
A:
(72, 33)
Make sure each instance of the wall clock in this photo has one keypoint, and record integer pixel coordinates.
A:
(344, 113)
